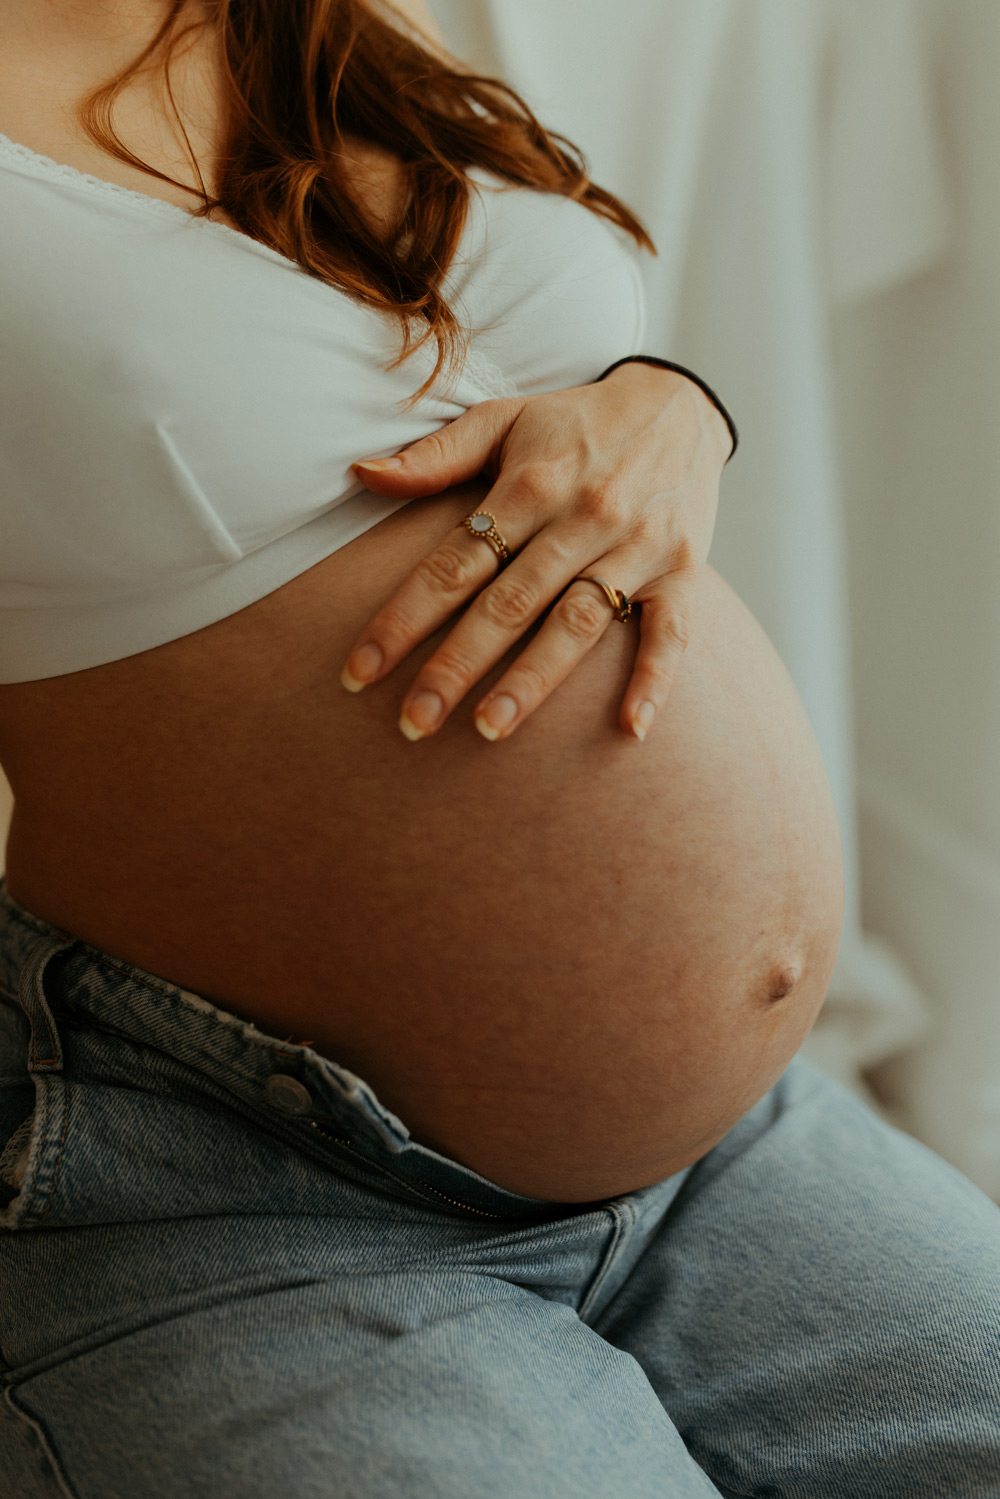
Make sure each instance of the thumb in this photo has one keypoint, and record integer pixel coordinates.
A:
(458, 451)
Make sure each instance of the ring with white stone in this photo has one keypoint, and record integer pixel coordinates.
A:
(484, 525)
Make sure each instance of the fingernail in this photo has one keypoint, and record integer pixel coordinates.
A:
(362, 667)
(420, 714)
(378, 464)
(642, 719)
(498, 713)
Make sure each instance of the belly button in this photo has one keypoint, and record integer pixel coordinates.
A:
(782, 981)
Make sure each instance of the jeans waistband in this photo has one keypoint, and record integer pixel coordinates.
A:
(289, 1090)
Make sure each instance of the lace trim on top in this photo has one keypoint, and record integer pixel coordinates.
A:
(478, 368)
(44, 166)
(34, 164)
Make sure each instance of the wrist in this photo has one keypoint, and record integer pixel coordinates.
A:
(715, 415)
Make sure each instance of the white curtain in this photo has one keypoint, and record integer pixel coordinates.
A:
(918, 381)
(787, 157)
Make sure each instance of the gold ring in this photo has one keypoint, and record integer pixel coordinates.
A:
(620, 602)
(484, 525)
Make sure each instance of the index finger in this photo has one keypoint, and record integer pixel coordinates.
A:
(443, 580)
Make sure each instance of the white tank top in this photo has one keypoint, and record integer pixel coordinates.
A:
(180, 405)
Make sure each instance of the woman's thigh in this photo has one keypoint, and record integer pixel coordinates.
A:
(819, 1309)
(381, 1386)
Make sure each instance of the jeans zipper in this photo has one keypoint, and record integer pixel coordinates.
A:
(410, 1186)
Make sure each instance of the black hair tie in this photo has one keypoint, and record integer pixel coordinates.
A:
(679, 369)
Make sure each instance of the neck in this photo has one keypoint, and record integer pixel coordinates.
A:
(104, 25)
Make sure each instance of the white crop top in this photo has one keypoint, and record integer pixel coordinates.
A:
(180, 405)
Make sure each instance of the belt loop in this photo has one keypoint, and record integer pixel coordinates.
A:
(46, 1051)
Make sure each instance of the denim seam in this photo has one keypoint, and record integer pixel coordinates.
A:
(80, 1347)
(167, 990)
(105, 1337)
(270, 1047)
(50, 1195)
(730, 1492)
(41, 1097)
(38, 988)
(173, 992)
(46, 1443)
(195, 1087)
(619, 1213)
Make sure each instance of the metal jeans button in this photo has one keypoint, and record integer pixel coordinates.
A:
(288, 1094)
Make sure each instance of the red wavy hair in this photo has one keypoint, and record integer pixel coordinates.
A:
(300, 76)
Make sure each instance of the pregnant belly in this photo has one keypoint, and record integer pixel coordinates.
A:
(568, 959)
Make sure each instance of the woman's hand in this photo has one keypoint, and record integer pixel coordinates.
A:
(619, 479)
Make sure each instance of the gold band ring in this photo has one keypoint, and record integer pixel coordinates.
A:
(484, 525)
(620, 602)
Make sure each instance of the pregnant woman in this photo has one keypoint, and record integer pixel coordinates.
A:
(395, 1095)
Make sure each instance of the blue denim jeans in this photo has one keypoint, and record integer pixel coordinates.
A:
(227, 1272)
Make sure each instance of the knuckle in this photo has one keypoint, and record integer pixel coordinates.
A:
(646, 532)
(435, 454)
(433, 447)
(530, 685)
(394, 626)
(451, 668)
(675, 631)
(581, 615)
(537, 483)
(508, 603)
(600, 503)
(657, 678)
(448, 568)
